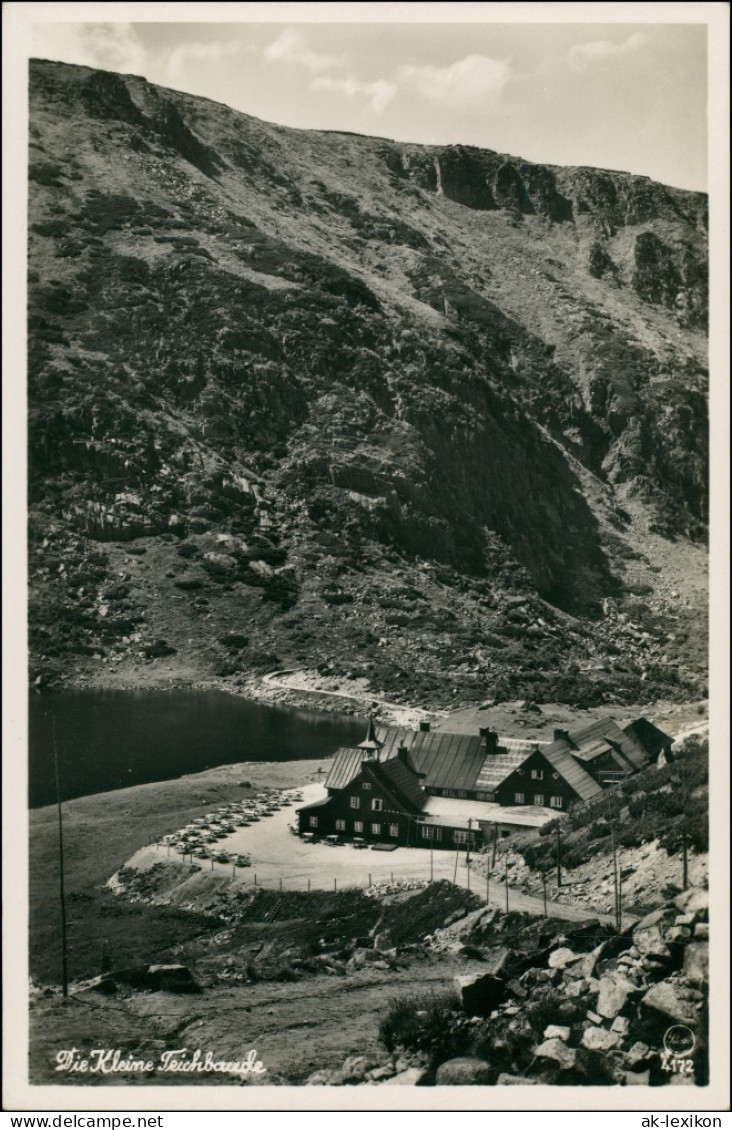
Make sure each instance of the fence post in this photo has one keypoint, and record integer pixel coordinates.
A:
(543, 883)
(506, 884)
(255, 878)
(335, 884)
(308, 884)
(280, 884)
(369, 878)
(487, 886)
(431, 863)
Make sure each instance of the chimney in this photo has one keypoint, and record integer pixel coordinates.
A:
(491, 739)
(561, 735)
(424, 727)
(403, 754)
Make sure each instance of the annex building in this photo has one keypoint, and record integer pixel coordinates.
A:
(425, 788)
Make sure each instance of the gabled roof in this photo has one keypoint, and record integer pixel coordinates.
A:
(562, 760)
(512, 752)
(401, 781)
(346, 765)
(448, 761)
(599, 737)
(652, 740)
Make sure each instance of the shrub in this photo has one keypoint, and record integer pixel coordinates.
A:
(424, 1022)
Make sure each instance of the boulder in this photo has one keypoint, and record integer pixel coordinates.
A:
(636, 1078)
(575, 989)
(498, 961)
(171, 979)
(678, 934)
(412, 1077)
(354, 1070)
(614, 992)
(561, 957)
(701, 930)
(620, 1024)
(556, 1050)
(599, 1039)
(506, 1080)
(638, 1055)
(696, 963)
(382, 940)
(480, 993)
(556, 1032)
(666, 997)
(684, 920)
(693, 901)
(464, 1071)
(649, 940)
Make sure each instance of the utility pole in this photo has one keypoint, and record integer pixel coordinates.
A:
(62, 894)
(616, 880)
(559, 858)
(543, 883)
(454, 878)
(495, 844)
(487, 886)
(467, 854)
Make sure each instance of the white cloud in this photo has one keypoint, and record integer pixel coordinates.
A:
(583, 55)
(186, 53)
(292, 47)
(111, 47)
(470, 83)
(378, 93)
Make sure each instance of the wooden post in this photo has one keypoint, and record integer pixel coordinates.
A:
(487, 886)
(543, 883)
(233, 871)
(212, 863)
(467, 856)
(61, 891)
(369, 879)
(335, 884)
(432, 852)
(506, 871)
(255, 878)
(454, 878)
(685, 858)
(308, 884)
(467, 864)
(280, 884)
(559, 858)
(616, 880)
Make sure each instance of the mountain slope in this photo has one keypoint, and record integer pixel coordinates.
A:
(435, 417)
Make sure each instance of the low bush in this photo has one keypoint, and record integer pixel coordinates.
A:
(425, 1022)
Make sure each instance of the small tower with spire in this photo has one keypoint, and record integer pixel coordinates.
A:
(371, 744)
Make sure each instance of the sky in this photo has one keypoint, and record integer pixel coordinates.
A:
(628, 96)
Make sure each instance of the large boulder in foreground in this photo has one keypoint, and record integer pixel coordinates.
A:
(464, 1071)
(480, 993)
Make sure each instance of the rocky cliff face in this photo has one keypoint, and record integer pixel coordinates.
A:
(418, 413)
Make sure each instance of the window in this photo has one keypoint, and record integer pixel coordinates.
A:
(460, 837)
(376, 829)
(539, 798)
(365, 785)
(355, 802)
(537, 775)
(462, 793)
(518, 798)
(340, 826)
(483, 796)
(377, 804)
(438, 833)
(555, 776)
(448, 792)
(394, 830)
(358, 826)
(313, 821)
(428, 832)
(556, 802)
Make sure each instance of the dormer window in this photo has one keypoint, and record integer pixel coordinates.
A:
(365, 785)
